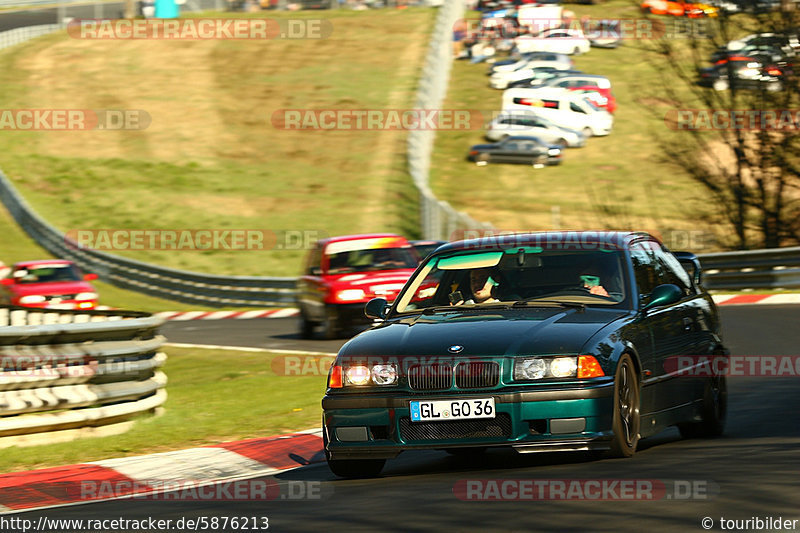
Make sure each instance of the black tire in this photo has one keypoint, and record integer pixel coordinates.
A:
(330, 325)
(482, 159)
(626, 409)
(562, 143)
(306, 326)
(541, 160)
(587, 132)
(712, 414)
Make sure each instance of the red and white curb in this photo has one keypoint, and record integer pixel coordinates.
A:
(750, 299)
(719, 299)
(149, 475)
(219, 315)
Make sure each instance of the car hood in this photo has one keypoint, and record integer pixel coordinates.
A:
(385, 283)
(51, 288)
(484, 333)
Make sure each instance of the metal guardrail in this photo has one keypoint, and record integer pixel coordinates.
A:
(777, 268)
(20, 35)
(180, 285)
(38, 3)
(72, 369)
(438, 219)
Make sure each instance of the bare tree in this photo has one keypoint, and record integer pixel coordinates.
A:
(741, 144)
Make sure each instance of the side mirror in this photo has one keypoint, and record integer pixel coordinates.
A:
(7, 281)
(376, 308)
(665, 294)
(90, 277)
(691, 264)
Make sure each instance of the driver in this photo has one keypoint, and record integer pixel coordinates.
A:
(481, 284)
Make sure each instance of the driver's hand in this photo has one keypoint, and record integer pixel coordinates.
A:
(599, 290)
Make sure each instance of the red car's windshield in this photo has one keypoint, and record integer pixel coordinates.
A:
(370, 260)
(46, 274)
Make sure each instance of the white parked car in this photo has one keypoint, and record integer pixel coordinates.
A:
(501, 79)
(562, 107)
(558, 40)
(524, 122)
(507, 65)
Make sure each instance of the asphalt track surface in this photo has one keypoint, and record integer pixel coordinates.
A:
(752, 471)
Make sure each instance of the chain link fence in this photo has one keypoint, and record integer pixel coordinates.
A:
(438, 219)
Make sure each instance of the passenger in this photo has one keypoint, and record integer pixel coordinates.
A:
(591, 280)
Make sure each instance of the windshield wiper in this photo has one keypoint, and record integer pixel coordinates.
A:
(544, 303)
(465, 307)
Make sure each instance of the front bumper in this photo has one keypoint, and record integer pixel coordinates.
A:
(532, 419)
(348, 315)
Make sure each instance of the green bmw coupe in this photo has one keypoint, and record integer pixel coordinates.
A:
(561, 341)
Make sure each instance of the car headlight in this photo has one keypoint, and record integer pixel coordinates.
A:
(553, 151)
(32, 299)
(531, 368)
(86, 296)
(357, 375)
(564, 367)
(560, 366)
(361, 374)
(350, 295)
(384, 374)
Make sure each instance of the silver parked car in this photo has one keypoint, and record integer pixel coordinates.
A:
(515, 123)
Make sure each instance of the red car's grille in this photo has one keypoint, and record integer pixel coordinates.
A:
(52, 297)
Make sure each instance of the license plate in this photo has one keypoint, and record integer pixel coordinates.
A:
(442, 410)
(61, 306)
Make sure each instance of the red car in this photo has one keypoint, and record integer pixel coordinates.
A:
(599, 96)
(48, 284)
(341, 274)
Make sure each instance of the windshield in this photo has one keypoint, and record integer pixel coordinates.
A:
(47, 273)
(521, 276)
(591, 104)
(371, 259)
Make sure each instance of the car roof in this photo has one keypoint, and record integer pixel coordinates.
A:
(524, 138)
(566, 240)
(38, 262)
(544, 92)
(342, 238)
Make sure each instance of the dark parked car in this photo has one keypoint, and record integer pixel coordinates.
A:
(762, 53)
(572, 346)
(524, 150)
(742, 73)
